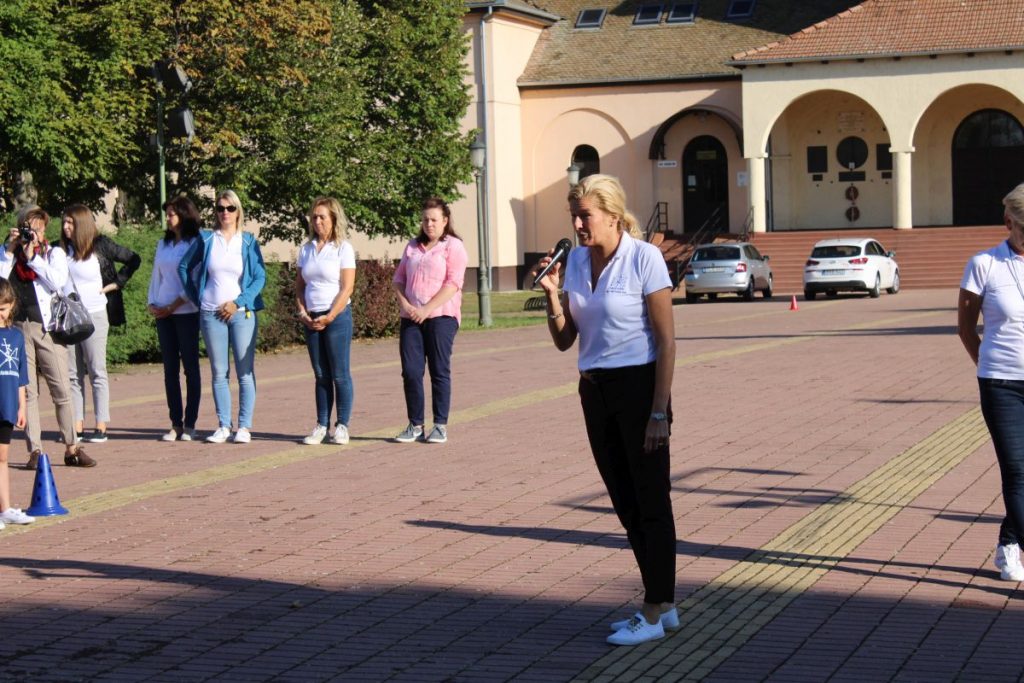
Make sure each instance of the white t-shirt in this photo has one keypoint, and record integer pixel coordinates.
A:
(997, 275)
(612, 320)
(223, 272)
(87, 279)
(165, 285)
(321, 272)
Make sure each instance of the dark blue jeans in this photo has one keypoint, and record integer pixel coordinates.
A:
(429, 343)
(329, 351)
(1002, 404)
(179, 346)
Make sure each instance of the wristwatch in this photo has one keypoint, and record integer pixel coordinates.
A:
(659, 417)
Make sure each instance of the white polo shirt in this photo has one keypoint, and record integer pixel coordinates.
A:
(612, 320)
(997, 275)
(223, 271)
(321, 272)
(164, 285)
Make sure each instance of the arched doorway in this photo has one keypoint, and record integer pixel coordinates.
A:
(705, 185)
(988, 162)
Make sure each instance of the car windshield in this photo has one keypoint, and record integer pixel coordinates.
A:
(836, 251)
(717, 254)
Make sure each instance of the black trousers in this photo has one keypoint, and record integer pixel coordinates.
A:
(616, 407)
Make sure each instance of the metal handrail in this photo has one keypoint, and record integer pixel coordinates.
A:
(711, 226)
(658, 219)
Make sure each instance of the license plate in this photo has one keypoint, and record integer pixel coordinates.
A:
(833, 272)
(713, 269)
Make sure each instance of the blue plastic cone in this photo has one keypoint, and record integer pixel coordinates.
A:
(45, 500)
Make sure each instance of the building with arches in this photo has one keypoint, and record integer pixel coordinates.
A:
(736, 115)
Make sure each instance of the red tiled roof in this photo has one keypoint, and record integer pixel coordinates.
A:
(878, 28)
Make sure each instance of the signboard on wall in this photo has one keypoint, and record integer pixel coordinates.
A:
(671, 163)
(850, 121)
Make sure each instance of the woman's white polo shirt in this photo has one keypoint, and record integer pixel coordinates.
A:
(612, 320)
(997, 275)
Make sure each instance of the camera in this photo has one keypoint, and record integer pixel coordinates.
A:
(26, 234)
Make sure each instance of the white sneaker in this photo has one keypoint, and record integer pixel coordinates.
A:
(340, 435)
(1007, 561)
(242, 436)
(2, 525)
(316, 436)
(189, 435)
(637, 631)
(15, 516)
(170, 436)
(220, 436)
(669, 620)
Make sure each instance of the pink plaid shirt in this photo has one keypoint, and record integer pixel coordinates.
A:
(423, 273)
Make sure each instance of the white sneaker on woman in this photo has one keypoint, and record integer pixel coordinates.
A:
(340, 435)
(15, 516)
(242, 436)
(316, 436)
(220, 436)
(1007, 561)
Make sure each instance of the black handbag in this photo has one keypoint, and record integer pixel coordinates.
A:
(70, 322)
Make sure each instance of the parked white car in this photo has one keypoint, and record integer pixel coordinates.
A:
(727, 268)
(857, 264)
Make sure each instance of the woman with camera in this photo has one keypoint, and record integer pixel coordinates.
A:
(37, 270)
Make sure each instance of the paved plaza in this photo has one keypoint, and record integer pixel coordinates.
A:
(835, 492)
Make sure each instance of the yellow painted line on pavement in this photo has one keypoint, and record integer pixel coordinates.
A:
(721, 616)
(109, 500)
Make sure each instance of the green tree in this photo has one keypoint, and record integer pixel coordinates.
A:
(71, 112)
(299, 98)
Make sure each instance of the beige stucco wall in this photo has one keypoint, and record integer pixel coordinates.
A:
(620, 123)
(916, 102)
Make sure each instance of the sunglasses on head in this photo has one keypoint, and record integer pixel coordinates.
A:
(229, 209)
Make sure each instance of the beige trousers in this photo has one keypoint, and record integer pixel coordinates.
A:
(48, 359)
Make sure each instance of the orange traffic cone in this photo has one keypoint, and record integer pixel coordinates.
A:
(792, 304)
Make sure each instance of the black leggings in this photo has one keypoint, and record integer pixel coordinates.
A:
(616, 407)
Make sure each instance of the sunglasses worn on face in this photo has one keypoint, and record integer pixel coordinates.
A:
(229, 209)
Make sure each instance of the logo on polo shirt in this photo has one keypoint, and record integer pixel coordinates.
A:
(617, 286)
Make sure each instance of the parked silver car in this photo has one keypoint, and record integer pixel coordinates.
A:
(727, 268)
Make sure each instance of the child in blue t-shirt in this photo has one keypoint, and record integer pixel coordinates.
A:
(13, 380)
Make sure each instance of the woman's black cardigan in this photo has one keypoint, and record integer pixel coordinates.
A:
(108, 252)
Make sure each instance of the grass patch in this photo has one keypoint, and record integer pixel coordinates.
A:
(506, 310)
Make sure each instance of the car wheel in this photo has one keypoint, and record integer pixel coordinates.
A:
(692, 298)
(712, 297)
(809, 295)
(767, 291)
(895, 283)
(876, 291)
(748, 293)
(831, 293)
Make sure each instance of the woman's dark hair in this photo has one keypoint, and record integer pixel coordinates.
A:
(449, 229)
(83, 240)
(188, 218)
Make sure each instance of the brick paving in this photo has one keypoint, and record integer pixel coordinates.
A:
(836, 502)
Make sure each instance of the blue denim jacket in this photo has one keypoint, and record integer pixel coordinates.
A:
(193, 266)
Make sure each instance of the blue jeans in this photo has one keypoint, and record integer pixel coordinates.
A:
(429, 343)
(179, 346)
(329, 355)
(238, 334)
(1002, 404)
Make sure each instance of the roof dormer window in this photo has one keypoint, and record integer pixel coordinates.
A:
(740, 9)
(682, 13)
(647, 14)
(590, 18)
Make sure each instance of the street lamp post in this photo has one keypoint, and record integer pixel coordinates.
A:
(573, 174)
(478, 157)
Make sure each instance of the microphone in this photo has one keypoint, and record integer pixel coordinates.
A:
(561, 252)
